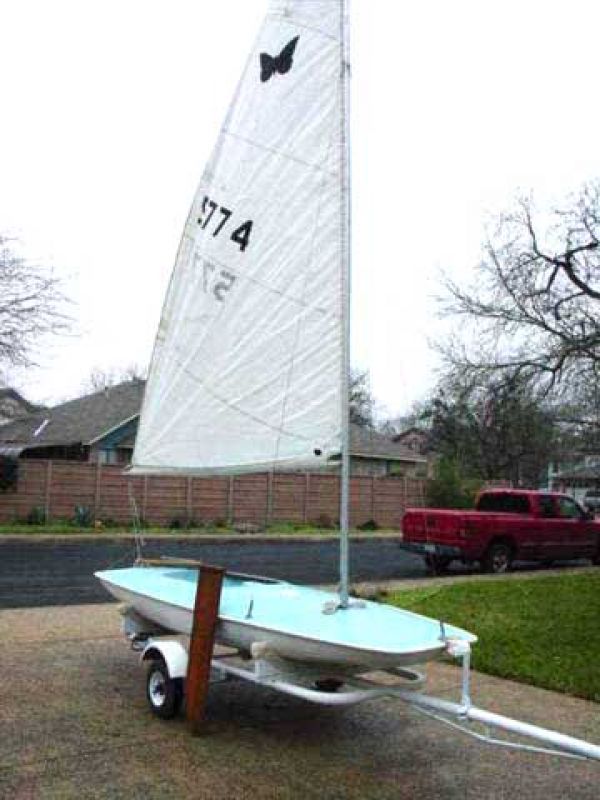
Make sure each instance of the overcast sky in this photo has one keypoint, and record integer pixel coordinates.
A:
(110, 110)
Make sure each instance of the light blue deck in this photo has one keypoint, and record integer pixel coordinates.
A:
(297, 610)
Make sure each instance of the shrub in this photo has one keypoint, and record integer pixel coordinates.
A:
(9, 473)
(36, 516)
(369, 525)
(325, 521)
(83, 517)
(448, 489)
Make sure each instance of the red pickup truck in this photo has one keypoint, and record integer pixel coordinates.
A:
(507, 524)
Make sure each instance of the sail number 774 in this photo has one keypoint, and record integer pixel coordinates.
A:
(215, 218)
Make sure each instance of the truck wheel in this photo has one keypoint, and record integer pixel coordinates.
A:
(437, 564)
(497, 559)
(164, 694)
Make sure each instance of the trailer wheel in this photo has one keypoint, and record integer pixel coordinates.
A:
(498, 558)
(164, 694)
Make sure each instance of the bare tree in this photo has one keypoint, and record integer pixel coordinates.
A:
(504, 429)
(31, 306)
(362, 402)
(535, 310)
(103, 377)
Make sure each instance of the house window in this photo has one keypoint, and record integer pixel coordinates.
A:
(108, 456)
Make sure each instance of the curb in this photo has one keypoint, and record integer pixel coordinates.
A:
(368, 588)
(248, 538)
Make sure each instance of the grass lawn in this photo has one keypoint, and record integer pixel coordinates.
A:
(542, 631)
(66, 528)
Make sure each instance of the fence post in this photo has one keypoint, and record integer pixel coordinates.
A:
(373, 479)
(97, 490)
(48, 490)
(230, 501)
(305, 503)
(269, 509)
(145, 499)
(188, 499)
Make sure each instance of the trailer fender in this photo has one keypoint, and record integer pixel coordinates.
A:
(172, 652)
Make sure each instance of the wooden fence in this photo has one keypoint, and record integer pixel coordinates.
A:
(56, 488)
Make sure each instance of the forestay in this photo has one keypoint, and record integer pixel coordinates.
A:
(247, 370)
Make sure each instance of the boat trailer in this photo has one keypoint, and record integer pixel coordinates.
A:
(179, 665)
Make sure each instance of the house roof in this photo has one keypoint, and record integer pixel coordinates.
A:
(88, 419)
(80, 421)
(7, 393)
(368, 443)
(581, 472)
(414, 431)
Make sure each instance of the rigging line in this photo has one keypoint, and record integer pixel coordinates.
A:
(129, 557)
(139, 539)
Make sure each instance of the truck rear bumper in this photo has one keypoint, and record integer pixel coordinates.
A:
(433, 549)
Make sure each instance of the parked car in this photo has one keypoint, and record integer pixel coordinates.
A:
(591, 500)
(507, 524)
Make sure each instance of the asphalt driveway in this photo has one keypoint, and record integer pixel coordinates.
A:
(74, 724)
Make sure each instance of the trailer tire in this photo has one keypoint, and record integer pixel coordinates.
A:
(498, 558)
(164, 694)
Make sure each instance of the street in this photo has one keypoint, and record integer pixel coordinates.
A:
(40, 573)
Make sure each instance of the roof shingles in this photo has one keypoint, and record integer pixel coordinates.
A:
(80, 421)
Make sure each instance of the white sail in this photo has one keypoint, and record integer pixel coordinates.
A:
(248, 366)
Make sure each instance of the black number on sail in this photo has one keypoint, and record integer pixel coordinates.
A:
(241, 235)
(226, 214)
(213, 206)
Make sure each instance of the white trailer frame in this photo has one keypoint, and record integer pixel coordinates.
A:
(316, 685)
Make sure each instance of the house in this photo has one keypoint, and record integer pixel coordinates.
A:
(13, 405)
(97, 427)
(101, 427)
(577, 478)
(417, 440)
(373, 453)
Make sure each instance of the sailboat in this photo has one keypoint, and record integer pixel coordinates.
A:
(251, 363)
(250, 374)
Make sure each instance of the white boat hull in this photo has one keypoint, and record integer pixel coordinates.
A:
(244, 634)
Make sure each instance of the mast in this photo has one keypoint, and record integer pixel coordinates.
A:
(345, 300)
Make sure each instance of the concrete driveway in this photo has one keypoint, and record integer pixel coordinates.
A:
(74, 724)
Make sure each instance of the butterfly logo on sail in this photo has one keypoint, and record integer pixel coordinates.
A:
(269, 65)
